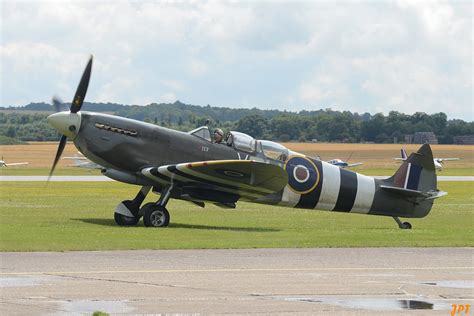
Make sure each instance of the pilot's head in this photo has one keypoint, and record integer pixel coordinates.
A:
(218, 135)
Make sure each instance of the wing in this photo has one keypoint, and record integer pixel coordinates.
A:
(221, 180)
(355, 164)
(446, 159)
(16, 164)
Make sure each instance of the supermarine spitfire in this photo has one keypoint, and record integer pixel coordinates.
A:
(190, 166)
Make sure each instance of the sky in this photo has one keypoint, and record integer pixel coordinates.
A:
(361, 56)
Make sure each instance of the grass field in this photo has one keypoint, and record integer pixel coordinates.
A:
(79, 216)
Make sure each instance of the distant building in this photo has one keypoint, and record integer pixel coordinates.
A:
(464, 140)
(421, 138)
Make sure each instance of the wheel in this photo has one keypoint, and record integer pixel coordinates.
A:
(142, 210)
(156, 216)
(123, 220)
(406, 225)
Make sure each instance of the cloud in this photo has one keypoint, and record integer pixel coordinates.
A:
(381, 56)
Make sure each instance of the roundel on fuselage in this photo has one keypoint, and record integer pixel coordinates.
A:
(303, 175)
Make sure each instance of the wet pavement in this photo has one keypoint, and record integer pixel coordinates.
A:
(375, 281)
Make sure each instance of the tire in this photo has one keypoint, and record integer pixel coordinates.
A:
(123, 220)
(142, 210)
(156, 216)
(406, 225)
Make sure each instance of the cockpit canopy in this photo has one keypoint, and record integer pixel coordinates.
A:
(246, 143)
(241, 141)
(270, 150)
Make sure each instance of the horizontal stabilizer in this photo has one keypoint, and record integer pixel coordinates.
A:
(402, 191)
(430, 195)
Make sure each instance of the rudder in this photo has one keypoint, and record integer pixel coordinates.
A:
(417, 172)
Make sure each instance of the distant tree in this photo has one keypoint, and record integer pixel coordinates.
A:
(375, 126)
(11, 132)
(285, 125)
(254, 125)
(440, 121)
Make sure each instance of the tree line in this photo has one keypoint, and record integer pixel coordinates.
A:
(29, 123)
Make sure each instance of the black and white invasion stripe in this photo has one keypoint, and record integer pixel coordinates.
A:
(338, 190)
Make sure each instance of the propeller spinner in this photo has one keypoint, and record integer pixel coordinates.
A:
(68, 123)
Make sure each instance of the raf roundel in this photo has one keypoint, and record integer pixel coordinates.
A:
(303, 175)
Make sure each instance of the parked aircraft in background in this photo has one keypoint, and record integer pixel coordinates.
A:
(200, 169)
(10, 164)
(82, 162)
(438, 162)
(343, 164)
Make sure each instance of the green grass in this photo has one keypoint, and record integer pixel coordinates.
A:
(79, 216)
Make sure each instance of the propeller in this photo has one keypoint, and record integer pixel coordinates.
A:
(57, 103)
(76, 105)
(82, 88)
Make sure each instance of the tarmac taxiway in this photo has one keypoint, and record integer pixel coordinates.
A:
(342, 281)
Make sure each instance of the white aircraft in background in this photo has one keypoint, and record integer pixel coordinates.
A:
(82, 162)
(343, 164)
(438, 162)
(4, 164)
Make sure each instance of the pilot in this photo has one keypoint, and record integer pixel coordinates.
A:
(218, 135)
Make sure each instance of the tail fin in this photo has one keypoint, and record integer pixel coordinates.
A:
(417, 172)
(414, 184)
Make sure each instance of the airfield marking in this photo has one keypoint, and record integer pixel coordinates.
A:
(235, 270)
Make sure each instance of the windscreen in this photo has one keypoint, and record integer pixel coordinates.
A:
(202, 132)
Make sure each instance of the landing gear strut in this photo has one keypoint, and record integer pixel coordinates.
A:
(156, 214)
(127, 212)
(404, 225)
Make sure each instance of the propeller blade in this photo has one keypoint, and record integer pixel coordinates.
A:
(62, 144)
(82, 88)
(57, 102)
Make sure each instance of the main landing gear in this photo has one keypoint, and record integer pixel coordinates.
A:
(156, 214)
(128, 212)
(404, 225)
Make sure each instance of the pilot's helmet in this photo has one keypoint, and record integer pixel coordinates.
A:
(219, 132)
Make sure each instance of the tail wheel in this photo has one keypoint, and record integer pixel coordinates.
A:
(156, 216)
(406, 225)
(123, 220)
